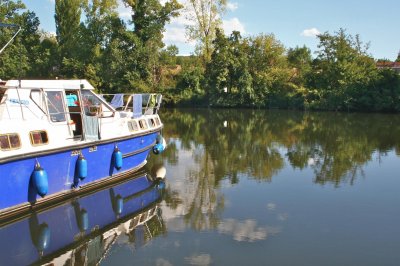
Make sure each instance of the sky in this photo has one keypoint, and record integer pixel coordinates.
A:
(293, 22)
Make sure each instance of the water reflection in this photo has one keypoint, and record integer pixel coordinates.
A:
(82, 231)
(259, 144)
(289, 188)
(214, 148)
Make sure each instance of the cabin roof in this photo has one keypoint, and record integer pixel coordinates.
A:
(51, 84)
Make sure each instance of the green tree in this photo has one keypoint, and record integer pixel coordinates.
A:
(268, 68)
(168, 55)
(229, 80)
(149, 19)
(342, 71)
(22, 57)
(67, 17)
(217, 70)
(96, 36)
(300, 60)
(206, 18)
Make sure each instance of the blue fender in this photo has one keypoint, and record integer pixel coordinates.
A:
(160, 145)
(82, 167)
(40, 180)
(117, 158)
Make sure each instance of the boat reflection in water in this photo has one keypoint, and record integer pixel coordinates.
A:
(81, 231)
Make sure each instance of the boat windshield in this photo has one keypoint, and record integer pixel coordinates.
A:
(56, 106)
(93, 104)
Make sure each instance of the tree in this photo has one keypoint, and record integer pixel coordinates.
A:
(149, 19)
(217, 70)
(67, 17)
(343, 70)
(229, 81)
(299, 58)
(206, 18)
(97, 34)
(268, 68)
(168, 55)
(22, 56)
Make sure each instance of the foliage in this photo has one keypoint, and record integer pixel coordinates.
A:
(149, 19)
(300, 60)
(229, 80)
(206, 19)
(67, 17)
(20, 58)
(342, 69)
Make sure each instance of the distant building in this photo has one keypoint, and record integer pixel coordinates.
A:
(387, 64)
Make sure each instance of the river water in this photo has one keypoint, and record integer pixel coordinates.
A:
(244, 187)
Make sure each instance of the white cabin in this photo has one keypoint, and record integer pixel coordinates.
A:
(40, 115)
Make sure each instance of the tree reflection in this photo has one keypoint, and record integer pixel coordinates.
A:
(256, 143)
(230, 144)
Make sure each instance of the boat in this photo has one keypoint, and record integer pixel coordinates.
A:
(58, 137)
(83, 230)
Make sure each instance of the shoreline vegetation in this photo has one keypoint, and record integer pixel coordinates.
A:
(227, 70)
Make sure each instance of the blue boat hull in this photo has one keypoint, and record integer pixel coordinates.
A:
(18, 192)
(43, 235)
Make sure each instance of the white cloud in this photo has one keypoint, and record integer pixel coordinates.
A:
(123, 11)
(232, 6)
(233, 24)
(313, 32)
(175, 35)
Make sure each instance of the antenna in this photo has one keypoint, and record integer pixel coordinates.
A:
(3, 25)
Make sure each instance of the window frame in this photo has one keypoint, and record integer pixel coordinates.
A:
(143, 124)
(38, 144)
(9, 142)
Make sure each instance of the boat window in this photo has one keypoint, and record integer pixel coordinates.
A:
(158, 121)
(38, 98)
(56, 106)
(133, 126)
(142, 124)
(151, 122)
(94, 105)
(9, 141)
(38, 137)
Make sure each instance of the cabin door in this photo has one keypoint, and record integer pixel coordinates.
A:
(75, 112)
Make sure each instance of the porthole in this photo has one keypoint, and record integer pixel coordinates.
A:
(38, 137)
(142, 124)
(133, 126)
(151, 122)
(10, 141)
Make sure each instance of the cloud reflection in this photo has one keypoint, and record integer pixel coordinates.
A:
(202, 259)
(247, 230)
(163, 262)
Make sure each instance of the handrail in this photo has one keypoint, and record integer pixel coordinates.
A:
(150, 102)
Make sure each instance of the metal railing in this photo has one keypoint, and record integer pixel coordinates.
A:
(139, 104)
